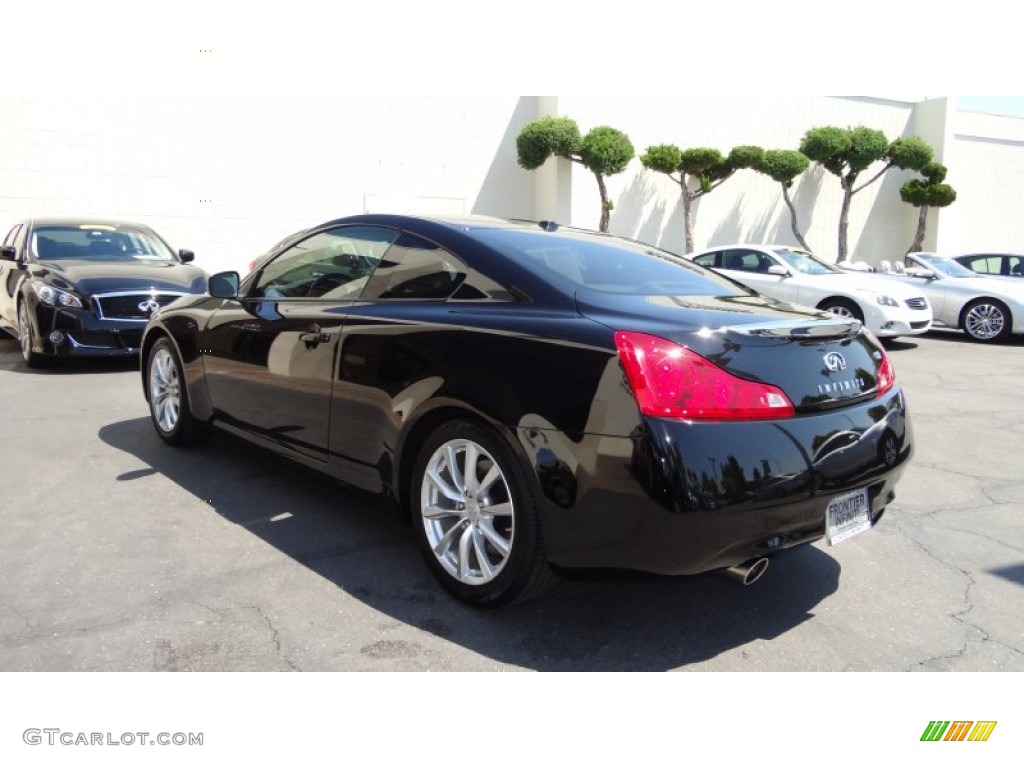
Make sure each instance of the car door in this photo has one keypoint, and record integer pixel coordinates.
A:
(751, 267)
(269, 357)
(396, 349)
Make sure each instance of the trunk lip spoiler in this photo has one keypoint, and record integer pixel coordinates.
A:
(811, 329)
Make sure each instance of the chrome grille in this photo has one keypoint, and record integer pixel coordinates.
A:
(919, 302)
(125, 306)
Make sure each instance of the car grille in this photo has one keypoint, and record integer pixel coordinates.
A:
(919, 325)
(126, 306)
(919, 302)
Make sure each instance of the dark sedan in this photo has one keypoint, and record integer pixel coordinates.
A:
(534, 396)
(85, 288)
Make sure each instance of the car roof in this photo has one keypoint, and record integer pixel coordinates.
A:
(63, 221)
(763, 246)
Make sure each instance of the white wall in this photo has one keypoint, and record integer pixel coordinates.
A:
(268, 164)
(275, 158)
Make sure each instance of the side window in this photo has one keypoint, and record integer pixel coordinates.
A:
(707, 260)
(414, 268)
(1016, 264)
(740, 260)
(335, 264)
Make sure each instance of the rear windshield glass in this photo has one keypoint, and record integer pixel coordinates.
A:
(605, 263)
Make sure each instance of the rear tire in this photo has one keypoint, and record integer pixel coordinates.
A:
(169, 405)
(475, 516)
(986, 320)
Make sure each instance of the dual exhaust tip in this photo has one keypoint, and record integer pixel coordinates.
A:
(750, 571)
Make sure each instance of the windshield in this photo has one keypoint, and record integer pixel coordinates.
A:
(938, 264)
(804, 262)
(605, 263)
(98, 242)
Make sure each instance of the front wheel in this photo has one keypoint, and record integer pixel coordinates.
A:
(843, 308)
(986, 320)
(27, 339)
(168, 397)
(475, 516)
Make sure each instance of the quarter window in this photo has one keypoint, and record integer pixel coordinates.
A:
(414, 268)
(335, 264)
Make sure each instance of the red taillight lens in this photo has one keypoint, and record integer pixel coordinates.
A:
(886, 376)
(670, 380)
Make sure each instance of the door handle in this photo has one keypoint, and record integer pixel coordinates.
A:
(316, 337)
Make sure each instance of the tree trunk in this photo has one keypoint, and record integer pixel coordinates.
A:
(922, 222)
(605, 205)
(792, 219)
(844, 219)
(687, 220)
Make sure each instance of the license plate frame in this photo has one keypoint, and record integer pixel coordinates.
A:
(847, 515)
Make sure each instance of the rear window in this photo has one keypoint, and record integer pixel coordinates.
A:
(603, 263)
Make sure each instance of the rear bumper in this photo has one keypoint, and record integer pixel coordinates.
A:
(684, 498)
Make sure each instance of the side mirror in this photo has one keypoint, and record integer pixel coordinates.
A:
(186, 256)
(778, 269)
(223, 285)
(920, 272)
(7, 253)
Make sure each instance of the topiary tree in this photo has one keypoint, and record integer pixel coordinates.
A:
(702, 165)
(784, 165)
(927, 193)
(604, 151)
(848, 152)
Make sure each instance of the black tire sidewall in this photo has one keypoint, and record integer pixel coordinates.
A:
(516, 575)
(174, 436)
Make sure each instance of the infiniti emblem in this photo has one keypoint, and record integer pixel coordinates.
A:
(149, 305)
(835, 362)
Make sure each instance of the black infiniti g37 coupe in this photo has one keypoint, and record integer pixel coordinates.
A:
(537, 397)
(85, 288)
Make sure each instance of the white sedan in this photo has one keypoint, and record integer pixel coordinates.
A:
(886, 307)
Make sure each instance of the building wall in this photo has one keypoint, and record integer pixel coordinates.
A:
(230, 176)
(228, 170)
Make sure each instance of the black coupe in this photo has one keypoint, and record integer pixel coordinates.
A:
(74, 288)
(537, 397)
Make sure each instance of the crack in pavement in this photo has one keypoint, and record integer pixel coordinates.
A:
(276, 637)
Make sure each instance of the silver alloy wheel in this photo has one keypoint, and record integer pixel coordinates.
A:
(24, 332)
(985, 321)
(842, 310)
(164, 389)
(467, 512)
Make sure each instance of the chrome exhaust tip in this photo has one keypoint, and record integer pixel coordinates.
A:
(750, 571)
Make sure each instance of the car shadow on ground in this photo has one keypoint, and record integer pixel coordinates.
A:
(591, 621)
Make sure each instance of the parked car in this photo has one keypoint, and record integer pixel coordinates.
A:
(85, 288)
(535, 396)
(791, 274)
(993, 264)
(985, 309)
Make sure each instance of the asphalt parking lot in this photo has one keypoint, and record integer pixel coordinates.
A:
(120, 553)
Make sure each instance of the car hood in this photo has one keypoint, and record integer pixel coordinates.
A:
(758, 339)
(867, 282)
(91, 278)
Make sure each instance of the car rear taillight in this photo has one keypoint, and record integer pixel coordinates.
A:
(886, 376)
(670, 380)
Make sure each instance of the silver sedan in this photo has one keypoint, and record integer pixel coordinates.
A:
(985, 309)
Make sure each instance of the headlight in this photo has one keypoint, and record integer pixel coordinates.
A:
(886, 301)
(56, 297)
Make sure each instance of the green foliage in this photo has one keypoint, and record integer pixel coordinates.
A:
(867, 146)
(911, 153)
(700, 160)
(663, 158)
(745, 156)
(783, 165)
(920, 192)
(545, 137)
(934, 172)
(826, 145)
(606, 151)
